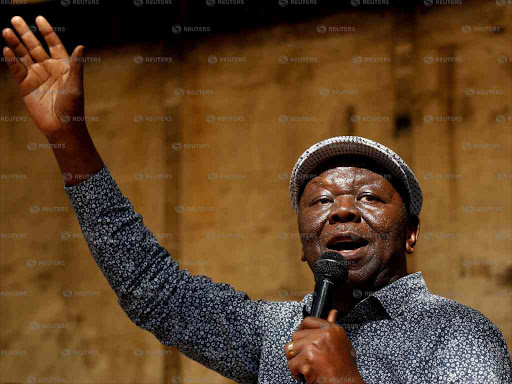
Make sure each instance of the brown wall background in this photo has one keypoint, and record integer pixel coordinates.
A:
(223, 210)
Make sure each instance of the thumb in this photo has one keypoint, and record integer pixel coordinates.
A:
(77, 68)
(332, 316)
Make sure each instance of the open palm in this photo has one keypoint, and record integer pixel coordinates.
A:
(51, 86)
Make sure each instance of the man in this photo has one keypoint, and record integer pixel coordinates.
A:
(352, 196)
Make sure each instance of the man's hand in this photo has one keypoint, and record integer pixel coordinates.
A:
(51, 86)
(322, 352)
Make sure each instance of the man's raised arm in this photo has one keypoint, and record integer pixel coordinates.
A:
(209, 322)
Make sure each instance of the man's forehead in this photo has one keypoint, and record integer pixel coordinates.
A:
(361, 166)
(351, 174)
(367, 166)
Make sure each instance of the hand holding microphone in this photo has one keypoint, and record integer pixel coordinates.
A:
(320, 350)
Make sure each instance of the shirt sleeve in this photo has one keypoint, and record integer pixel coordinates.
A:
(473, 351)
(209, 322)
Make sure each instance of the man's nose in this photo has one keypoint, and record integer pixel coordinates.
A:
(343, 210)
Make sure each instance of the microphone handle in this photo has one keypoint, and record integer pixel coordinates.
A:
(323, 298)
(322, 302)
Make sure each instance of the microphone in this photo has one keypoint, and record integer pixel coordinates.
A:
(330, 272)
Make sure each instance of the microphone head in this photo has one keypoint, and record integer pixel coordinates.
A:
(331, 265)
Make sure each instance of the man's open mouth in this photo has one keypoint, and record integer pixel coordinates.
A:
(347, 245)
(346, 241)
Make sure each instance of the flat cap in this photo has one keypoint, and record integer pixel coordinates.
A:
(354, 145)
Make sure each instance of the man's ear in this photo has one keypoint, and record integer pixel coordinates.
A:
(302, 257)
(413, 232)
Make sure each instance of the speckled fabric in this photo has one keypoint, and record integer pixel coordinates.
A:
(401, 333)
(354, 145)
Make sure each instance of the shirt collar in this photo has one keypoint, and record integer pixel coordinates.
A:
(389, 300)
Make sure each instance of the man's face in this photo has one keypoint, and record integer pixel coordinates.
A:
(364, 203)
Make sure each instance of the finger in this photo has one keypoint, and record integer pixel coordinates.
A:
(332, 316)
(33, 45)
(76, 76)
(298, 346)
(18, 48)
(18, 70)
(311, 322)
(303, 334)
(57, 49)
(299, 368)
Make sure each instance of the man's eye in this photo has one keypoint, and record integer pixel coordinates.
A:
(369, 197)
(324, 199)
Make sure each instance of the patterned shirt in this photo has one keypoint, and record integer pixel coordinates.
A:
(401, 333)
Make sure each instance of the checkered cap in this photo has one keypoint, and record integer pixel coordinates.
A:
(343, 145)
